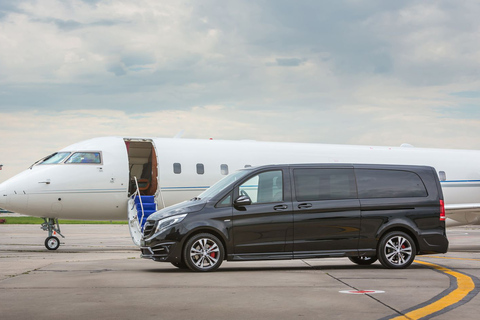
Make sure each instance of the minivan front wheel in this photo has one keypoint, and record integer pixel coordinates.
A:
(203, 252)
(180, 265)
(396, 250)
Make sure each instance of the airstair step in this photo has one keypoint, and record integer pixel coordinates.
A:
(146, 206)
(145, 199)
(149, 207)
(146, 213)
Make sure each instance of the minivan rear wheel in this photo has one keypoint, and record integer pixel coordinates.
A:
(363, 261)
(396, 250)
(203, 252)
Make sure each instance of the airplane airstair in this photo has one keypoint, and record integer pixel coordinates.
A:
(145, 206)
(140, 207)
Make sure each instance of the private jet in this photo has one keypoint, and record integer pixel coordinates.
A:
(119, 178)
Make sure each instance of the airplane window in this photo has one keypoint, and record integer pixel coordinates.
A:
(177, 168)
(442, 175)
(224, 169)
(200, 168)
(55, 158)
(85, 157)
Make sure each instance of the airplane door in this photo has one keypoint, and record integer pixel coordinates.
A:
(143, 186)
(143, 165)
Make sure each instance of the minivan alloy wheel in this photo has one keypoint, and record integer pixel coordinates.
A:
(396, 250)
(203, 252)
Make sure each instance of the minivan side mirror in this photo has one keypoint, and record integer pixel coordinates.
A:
(242, 201)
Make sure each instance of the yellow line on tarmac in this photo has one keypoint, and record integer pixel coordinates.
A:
(465, 286)
(451, 258)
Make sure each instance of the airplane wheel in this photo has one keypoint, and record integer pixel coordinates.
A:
(52, 243)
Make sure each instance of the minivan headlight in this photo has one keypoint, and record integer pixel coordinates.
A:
(167, 222)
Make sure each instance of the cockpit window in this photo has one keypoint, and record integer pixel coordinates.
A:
(85, 157)
(55, 158)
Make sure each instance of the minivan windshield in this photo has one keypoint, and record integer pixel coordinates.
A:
(220, 185)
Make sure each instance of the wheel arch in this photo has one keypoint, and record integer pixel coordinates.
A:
(400, 228)
(206, 229)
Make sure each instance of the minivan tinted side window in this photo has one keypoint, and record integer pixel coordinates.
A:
(389, 184)
(324, 184)
(264, 187)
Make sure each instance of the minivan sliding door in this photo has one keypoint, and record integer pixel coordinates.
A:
(326, 212)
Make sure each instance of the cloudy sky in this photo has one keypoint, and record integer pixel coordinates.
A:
(349, 72)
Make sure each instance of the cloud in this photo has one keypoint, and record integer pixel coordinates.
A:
(466, 94)
(87, 54)
(311, 71)
(286, 62)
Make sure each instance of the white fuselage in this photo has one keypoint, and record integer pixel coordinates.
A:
(101, 191)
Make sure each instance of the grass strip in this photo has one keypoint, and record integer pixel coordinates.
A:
(34, 220)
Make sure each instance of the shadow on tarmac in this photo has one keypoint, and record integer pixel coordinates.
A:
(301, 268)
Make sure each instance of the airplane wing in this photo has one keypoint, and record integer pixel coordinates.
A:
(465, 213)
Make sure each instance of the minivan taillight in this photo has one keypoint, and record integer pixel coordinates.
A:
(442, 210)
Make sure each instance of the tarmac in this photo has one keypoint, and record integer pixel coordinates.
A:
(97, 273)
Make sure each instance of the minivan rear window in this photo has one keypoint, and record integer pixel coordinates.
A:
(374, 183)
(324, 184)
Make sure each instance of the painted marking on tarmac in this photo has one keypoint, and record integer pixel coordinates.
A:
(361, 291)
(452, 258)
(462, 289)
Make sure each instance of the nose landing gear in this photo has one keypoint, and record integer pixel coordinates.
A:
(51, 225)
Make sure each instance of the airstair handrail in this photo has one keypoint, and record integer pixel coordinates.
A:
(137, 193)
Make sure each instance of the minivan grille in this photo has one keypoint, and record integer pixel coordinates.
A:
(148, 228)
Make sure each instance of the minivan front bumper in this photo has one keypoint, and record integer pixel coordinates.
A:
(164, 246)
(159, 252)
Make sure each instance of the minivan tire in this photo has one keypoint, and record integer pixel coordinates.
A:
(363, 261)
(180, 265)
(396, 250)
(203, 252)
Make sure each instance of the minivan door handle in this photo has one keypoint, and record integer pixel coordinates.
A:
(280, 207)
(304, 205)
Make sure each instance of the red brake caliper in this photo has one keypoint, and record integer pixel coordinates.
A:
(212, 254)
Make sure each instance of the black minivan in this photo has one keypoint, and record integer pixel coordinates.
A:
(361, 211)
